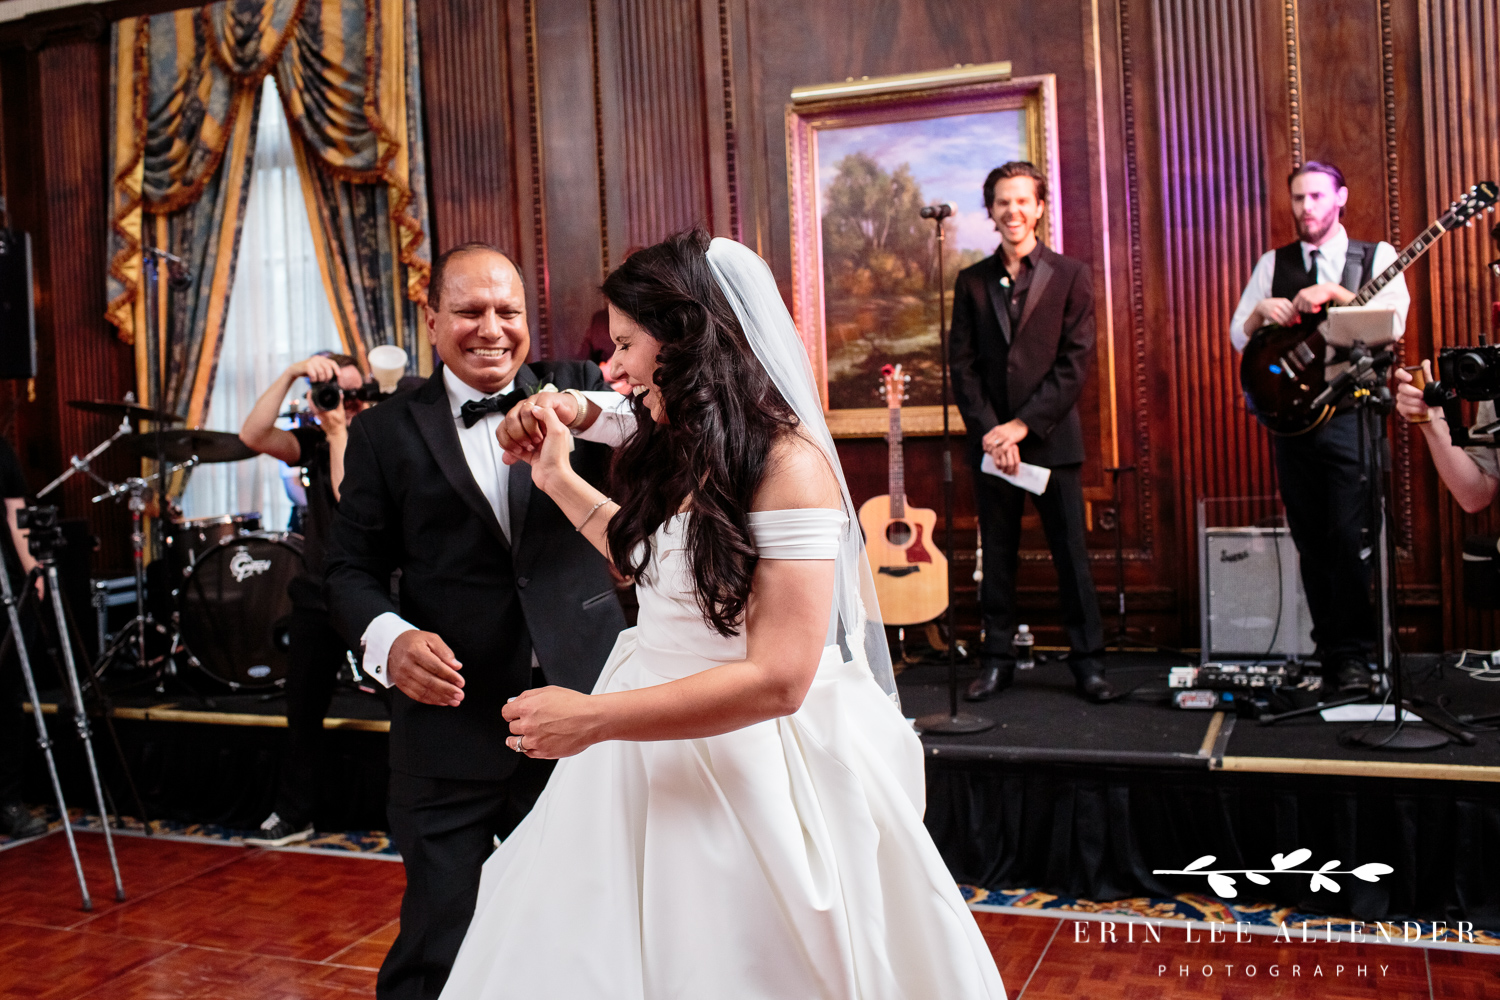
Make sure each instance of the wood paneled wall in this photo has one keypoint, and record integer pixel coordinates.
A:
(571, 130)
(55, 189)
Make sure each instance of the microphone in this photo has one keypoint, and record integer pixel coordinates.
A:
(942, 211)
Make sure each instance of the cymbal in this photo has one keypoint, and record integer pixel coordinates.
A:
(180, 445)
(117, 411)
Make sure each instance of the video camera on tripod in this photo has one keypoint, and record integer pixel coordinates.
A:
(45, 533)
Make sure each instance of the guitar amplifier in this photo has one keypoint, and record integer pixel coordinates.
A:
(1251, 598)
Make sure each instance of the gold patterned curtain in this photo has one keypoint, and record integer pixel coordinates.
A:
(185, 89)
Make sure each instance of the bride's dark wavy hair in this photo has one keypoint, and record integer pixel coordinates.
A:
(723, 415)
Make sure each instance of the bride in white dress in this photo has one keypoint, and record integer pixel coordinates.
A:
(739, 814)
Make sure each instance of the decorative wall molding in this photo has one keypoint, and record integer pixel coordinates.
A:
(599, 140)
(1293, 77)
(731, 148)
(1141, 389)
(538, 199)
(1403, 483)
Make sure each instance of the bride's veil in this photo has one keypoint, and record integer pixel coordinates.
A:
(748, 284)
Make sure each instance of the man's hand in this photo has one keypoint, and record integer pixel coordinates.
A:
(316, 368)
(425, 669)
(1409, 401)
(1280, 312)
(522, 431)
(1315, 297)
(335, 422)
(551, 722)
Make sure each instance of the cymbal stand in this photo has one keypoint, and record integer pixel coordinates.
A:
(136, 630)
(76, 464)
(44, 741)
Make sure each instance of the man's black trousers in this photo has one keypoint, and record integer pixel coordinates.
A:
(1062, 512)
(1327, 500)
(445, 828)
(315, 653)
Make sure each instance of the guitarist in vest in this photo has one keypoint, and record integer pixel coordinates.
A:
(1022, 340)
(1319, 472)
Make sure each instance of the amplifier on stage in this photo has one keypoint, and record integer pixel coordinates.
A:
(1251, 598)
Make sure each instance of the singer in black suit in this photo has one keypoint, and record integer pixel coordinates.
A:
(1022, 340)
(498, 593)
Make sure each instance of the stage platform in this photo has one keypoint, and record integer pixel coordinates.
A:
(1086, 801)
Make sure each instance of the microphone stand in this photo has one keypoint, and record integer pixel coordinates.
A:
(954, 721)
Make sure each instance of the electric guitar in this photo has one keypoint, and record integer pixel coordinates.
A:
(1282, 369)
(911, 574)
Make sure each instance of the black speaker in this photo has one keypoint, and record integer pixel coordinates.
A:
(17, 317)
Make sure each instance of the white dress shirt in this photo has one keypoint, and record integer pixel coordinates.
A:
(483, 453)
(1331, 269)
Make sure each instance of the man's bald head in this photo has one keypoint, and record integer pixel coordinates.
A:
(440, 267)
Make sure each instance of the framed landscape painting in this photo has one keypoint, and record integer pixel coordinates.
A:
(864, 157)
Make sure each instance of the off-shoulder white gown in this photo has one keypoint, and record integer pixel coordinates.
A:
(785, 860)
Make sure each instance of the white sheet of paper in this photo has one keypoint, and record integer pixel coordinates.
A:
(1365, 713)
(1031, 478)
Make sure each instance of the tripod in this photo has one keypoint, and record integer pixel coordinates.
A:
(45, 536)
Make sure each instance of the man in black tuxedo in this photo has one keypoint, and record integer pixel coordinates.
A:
(498, 593)
(1022, 339)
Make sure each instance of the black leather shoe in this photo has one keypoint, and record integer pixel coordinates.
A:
(17, 821)
(994, 676)
(1095, 688)
(1351, 676)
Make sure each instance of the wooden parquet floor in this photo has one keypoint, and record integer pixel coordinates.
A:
(211, 922)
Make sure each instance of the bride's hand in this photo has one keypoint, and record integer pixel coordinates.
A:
(549, 456)
(550, 722)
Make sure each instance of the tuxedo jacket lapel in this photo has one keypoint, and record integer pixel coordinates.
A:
(1039, 279)
(998, 297)
(434, 418)
(518, 490)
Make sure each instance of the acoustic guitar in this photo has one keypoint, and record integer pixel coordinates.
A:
(911, 574)
(1282, 370)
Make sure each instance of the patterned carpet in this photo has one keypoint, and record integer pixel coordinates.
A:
(376, 844)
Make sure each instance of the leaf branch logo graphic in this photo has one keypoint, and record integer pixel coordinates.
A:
(1281, 864)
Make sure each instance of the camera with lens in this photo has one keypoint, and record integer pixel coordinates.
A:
(330, 395)
(45, 535)
(1471, 372)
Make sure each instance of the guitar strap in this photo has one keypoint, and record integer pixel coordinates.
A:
(1359, 265)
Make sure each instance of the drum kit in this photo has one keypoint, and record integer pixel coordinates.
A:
(218, 600)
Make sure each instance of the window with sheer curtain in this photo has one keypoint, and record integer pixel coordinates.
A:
(278, 313)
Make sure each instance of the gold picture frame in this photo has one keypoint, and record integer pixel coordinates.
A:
(869, 125)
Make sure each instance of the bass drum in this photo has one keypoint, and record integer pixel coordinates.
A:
(230, 607)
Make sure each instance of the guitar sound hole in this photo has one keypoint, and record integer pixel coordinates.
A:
(898, 533)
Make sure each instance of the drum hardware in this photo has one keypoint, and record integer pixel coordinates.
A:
(135, 633)
(178, 445)
(127, 411)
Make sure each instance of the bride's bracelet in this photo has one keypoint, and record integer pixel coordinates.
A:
(590, 514)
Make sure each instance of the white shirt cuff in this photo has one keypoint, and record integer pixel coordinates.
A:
(615, 424)
(377, 640)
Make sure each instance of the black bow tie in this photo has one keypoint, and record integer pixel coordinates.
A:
(476, 410)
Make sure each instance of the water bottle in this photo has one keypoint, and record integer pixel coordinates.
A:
(1024, 642)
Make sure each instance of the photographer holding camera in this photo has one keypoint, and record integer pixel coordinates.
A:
(1471, 474)
(338, 393)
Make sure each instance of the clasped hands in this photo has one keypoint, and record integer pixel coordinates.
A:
(1003, 444)
(536, 432)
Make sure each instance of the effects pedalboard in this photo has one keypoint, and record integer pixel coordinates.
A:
(1237, 687)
